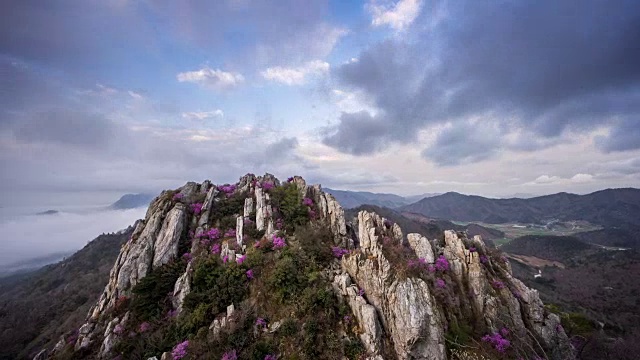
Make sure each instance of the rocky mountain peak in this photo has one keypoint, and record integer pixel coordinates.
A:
(218, 255)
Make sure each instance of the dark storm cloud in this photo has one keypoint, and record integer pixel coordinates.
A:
(544, 68)
(466, 143)
(358, 133)
(624, 136)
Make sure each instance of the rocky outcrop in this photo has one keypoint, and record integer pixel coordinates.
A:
(414, 314)
(182, 288)
(328, 209)
(422, 247)
(166, 244)
(207, 206)
(406, 306)
(222, 321)
(403, 298)
(366, 316)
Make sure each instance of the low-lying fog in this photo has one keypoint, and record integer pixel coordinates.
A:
(24, 235)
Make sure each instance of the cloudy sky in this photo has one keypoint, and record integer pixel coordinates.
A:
(493, 98)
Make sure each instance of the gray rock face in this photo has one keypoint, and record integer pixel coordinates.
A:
(166, 244)
(414, 319)
(207, 206)
(223, 321)
(365, 314)
(182, 288)
(422, 247)
(407, 308)
(328, 209)
(261, 209)
(248, 207)
(239, 230)
(42, 355)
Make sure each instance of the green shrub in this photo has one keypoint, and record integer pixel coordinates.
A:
(289, 327)
(150, 299)
(316, 242)
(577, 324)
(228, 206)
(288, 200)
(289, 277)
(353, 348)
(214, 287)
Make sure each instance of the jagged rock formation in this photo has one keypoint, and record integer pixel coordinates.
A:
(407, 296)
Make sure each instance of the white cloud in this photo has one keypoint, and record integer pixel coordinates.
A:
(582, 178)
(135, 95)
(296, 75)
(557, 180)
(202, 115)
(398, 16)
(352, 101)
(216, 79)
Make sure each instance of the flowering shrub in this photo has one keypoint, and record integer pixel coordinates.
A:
(420, 263)
(144, 327)
(196, 208)
(230, 233)
(499, 343)
(215, 249)
(279, 224)
(504, 331)
(270, 357)
(267, 185)
(227, 189)
(307, 202)
(472, 249)
(172, 313)
(290, 179)
(230, 355)
(339, 252)
(118, 329)
(484, 259)
(261, 322)
(361, 292)
(249, 274)
(241, 259)
(213, 234)
(387, 224)
(180, 350)
(225, 259)
(278, 242)
(178, 196)
(497, 284)
(440, 283)
(442, 264)
(187, 256)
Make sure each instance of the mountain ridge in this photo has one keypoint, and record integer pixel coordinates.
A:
(292, 241)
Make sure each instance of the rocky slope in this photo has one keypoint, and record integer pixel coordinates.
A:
(264, 270)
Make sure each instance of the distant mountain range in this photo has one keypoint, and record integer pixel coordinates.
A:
(132, 201)
(617, 210)
(353, 199)
(609, 208)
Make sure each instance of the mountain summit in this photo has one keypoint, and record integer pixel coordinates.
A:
(267, 270)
